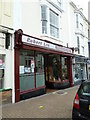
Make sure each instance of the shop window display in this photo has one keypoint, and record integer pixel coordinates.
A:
(54, 68)
(64, 68)
(26, 70)
(40, 78)
(80, 72)
(31, 70)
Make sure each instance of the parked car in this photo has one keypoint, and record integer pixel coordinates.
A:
(81, 103)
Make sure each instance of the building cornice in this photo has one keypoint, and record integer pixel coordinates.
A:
(5, 29)
(78, 10)
(54, 5)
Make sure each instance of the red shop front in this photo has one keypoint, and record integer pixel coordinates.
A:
(40, 64)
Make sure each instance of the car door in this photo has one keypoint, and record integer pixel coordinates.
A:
(84, 95)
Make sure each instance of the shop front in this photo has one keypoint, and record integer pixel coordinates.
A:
(40, 64)
(80, 69)
(6, 63)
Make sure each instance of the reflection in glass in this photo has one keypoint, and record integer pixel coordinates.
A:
(26, 70)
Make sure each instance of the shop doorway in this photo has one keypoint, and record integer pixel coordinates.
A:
(31, 73)
(56, 72)
(52, 71)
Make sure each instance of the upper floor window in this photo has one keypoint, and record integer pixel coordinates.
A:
(82, 50)
(50, 22)
(78, 45)
(54, 24)
(60, 2)
(77, 23)
(44, 19)
(81, 26)
(89, 49)
(88, 33)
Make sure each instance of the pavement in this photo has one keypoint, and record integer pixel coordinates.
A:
(57, 104)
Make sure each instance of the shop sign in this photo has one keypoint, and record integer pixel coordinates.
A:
(80, 59)
(40, 43)
(32, 65)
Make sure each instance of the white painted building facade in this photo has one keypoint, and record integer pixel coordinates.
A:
(78, 39)
(6, 51)
(57, 21)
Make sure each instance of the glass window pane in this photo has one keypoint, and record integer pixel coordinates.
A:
(40, 78)
(44, 12)
(26, 70)
(77, 23)
(54, 68)
(54, 31)
(64, 68)
(78, 45)
(85, 89)
(44, 27)
(54, 24)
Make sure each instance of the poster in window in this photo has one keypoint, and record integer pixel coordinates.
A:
(27, 69)
(32, 65)
(21, 69)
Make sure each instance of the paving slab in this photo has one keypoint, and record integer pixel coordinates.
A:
(57, 104)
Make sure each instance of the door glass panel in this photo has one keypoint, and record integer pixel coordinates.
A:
(54, 68)
(40, 77)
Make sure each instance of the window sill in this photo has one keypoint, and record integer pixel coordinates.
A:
(47, 37)
(1, 90)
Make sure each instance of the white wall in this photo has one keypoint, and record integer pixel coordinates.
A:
(74, 32)
(71, 25)
(64, 24)
(31, 18)
(8, 73)
(17, 14)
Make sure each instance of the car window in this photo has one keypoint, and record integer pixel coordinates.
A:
(85, 90)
